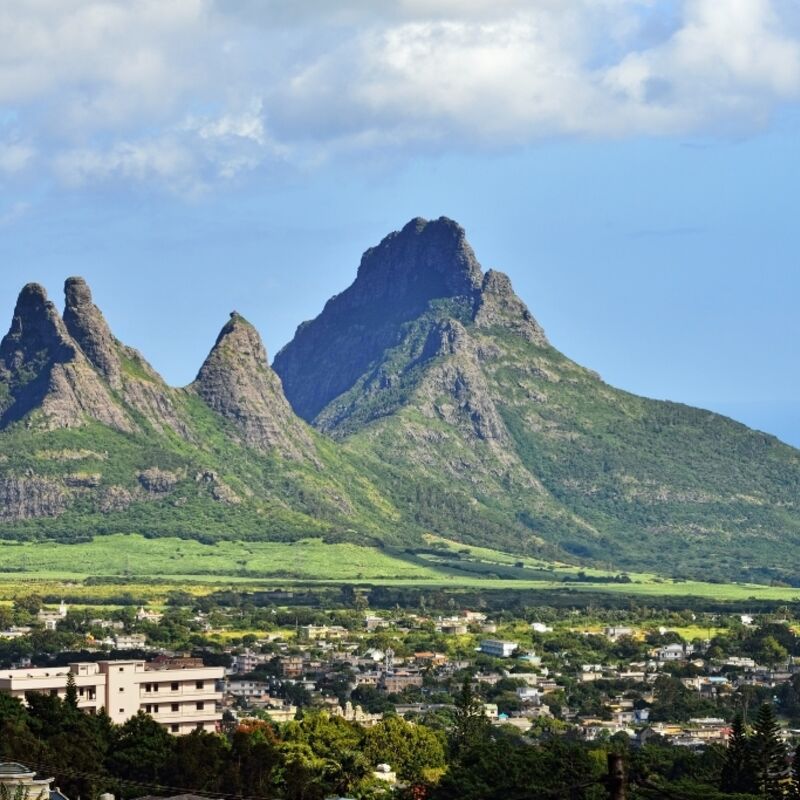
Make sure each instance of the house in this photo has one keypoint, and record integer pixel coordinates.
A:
(50, 619)
(615, 632)
(148, 616)
(395, 682)
(529, 694)
(671, 652)
(540, 627)
(498, 648)
(179, 693)
(20, 783)
(130, 641)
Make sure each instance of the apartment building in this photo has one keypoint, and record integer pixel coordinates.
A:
(180, 693)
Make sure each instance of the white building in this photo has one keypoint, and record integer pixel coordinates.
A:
(498, 648)
(20, 783)
(130, 641)
(50, 619)
(181, 694)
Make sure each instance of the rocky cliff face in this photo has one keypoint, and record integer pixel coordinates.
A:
(44, 372)
(123, 368)
(397, 281)
(237, 382)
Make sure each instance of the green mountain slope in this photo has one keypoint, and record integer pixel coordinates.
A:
(482, 431)
(93, 441)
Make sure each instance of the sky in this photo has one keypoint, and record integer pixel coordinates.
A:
(633, 165)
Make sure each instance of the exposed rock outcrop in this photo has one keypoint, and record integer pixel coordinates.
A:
(499, 306)
(43, 370)
(396, 282)
(31, 497)
(237, 382)
(123, 367)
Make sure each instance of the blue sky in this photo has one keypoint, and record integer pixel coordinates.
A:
(632, 164)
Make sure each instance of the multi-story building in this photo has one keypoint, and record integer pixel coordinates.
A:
(498, 648)
(181, 694)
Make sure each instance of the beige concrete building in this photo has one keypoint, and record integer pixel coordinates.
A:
(179, 693)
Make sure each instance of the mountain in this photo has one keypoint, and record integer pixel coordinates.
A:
(425, 398)
(92, 440)
(438, 377)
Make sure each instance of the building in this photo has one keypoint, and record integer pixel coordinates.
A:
(180, 693)
(396, 682)
(20, 783)
(498, 648)
(615, 632)
(50, 619)
(130, 641)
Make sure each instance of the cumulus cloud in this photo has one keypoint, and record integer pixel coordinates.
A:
(187, 93)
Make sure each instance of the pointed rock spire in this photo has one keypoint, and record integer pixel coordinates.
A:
(42, 369)
(89, 329)
(237, 382)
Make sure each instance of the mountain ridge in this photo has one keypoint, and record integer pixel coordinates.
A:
(424, 398)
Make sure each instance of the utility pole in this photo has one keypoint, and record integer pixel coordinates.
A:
(616, 777)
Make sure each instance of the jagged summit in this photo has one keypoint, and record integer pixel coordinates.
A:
(426, 268)
(237, 382)
(88, 327)
(398, 280)
(423, 261)
(44, 370)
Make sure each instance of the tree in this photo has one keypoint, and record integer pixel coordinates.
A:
(411, 750)
(794, 789)
(768, 752)
(737, 771)
(71, 697)
(471, 725)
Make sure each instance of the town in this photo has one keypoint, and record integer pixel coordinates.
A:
(601, 677)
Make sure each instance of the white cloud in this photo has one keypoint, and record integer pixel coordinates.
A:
(186, 93)
(15, 157)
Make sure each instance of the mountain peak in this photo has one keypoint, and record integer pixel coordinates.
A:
(499, 306)
(237, 382)
(88, 327)
(424, 264)
(43, 369)
(423, 261)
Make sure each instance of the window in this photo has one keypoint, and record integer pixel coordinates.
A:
(122, 669)
(175, 728)
(155, 708)
(122, 688)
(175, 686)
(199, 706)
(122, 711)
(176, 707)
(199, 726)
(148, 687)
(198, 684)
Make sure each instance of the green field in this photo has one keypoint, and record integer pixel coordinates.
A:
(152, 567)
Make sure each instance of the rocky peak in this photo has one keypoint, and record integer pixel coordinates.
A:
(36, 327)
(398, 281)
(423, 261)
(43, 369)
(237, 382)
(89, 329)
(499, 306)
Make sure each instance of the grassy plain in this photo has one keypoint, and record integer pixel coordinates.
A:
(149, 569)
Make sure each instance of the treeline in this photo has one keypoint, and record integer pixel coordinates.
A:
(457, 757)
